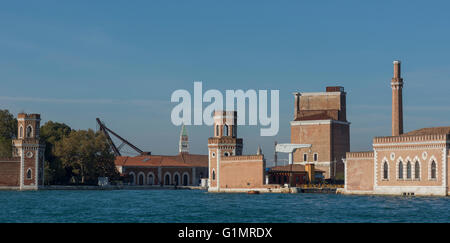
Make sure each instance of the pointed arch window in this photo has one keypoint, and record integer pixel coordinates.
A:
(385, 171)
(29, 131)
(29, 174)
(400, 170)
(433, 170)
(213, 174)
(408, 170)
(225, 130)
(20, 132)
(217, 130)
(417, 170)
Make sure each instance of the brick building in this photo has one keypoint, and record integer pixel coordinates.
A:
(25, 169)
(229, 170)
(320, 119)
(413, 163)
(183, 169)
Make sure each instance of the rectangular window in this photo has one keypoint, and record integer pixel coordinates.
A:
(316, 157)
(305, 157)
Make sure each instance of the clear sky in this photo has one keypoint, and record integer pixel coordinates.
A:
(73, 61)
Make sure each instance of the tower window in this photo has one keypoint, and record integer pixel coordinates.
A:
(316, 156)
(29, 131)
(225, 130)
(305, 157)
(217, 130)
(20, 132)
(385, 170)
(29, 175)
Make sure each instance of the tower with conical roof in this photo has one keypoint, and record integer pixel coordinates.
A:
(184, 141)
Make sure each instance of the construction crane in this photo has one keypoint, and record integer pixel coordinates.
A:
(116, 149)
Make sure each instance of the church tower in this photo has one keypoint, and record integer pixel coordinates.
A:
(30, 149)
(184, 141)
(397, 104)
(224, 143)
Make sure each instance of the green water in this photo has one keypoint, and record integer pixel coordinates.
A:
(198, 206)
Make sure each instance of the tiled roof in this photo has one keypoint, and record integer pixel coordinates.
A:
(428, 131)
(295, 168)
(180, 160)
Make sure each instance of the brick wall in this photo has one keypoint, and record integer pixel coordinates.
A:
(9, 172)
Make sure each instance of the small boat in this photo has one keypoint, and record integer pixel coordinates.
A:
(253, 192)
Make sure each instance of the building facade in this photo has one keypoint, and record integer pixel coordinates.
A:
(413, 163)
(320, 119)
(183, 169)
(25, 169)
(229, 170)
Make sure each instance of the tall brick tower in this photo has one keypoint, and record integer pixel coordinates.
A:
(30, 149)
(397, 106)
(184, 141)
(224, 143)
(320, 119)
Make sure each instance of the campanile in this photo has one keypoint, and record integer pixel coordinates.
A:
(397, 105)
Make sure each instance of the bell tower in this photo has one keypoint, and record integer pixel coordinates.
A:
(184, 141)
(397, 104)
(223, 143)
(30, 149)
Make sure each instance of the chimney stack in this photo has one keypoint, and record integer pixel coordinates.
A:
(397, 104)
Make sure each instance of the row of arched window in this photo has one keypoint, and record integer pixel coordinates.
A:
(29, 132)
(168, 179)
(226, 131)
(409, 170)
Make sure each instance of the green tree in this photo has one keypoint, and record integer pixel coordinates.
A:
(87, 155)
(51, 133)
(8, 129)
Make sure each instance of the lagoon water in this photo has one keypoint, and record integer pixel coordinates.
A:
(183, 206)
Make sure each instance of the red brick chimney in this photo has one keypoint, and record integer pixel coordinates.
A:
(397, 105)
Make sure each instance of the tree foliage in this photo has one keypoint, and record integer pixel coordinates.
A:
(8, 130)
(86, 155)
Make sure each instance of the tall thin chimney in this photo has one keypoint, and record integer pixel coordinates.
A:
(397, 104)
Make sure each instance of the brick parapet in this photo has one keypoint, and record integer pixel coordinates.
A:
(350, 155)
(405, 139)
(242, 158)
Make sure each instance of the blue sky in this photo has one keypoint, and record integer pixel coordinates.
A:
(73, 61)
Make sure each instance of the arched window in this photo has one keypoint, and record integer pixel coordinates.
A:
(417, 170)
(408, 170)
(385, 171)
(20, 132)
(29, 174)
(234, 131)
(141, 179)
(176, 179)
(185, 180)
(132, 178)
(29, 132)
(217, 130)
(400, 170)
(214, 175)
(225, 130)
(433, 170)
(150, 179)
(167, 180)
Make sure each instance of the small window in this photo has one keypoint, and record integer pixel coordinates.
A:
(226, 154)
(305, 157)
(400, 170)
(225, 130)
(213, 175)
(217, 130)
(20, 132)
(29, 132)
(29, 175)
(316, 156)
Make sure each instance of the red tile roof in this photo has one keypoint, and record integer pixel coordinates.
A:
(180, 160)
(428, 131)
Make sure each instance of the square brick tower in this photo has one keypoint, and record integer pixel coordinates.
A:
(30, 149)
(320, 119)
(224, 143)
